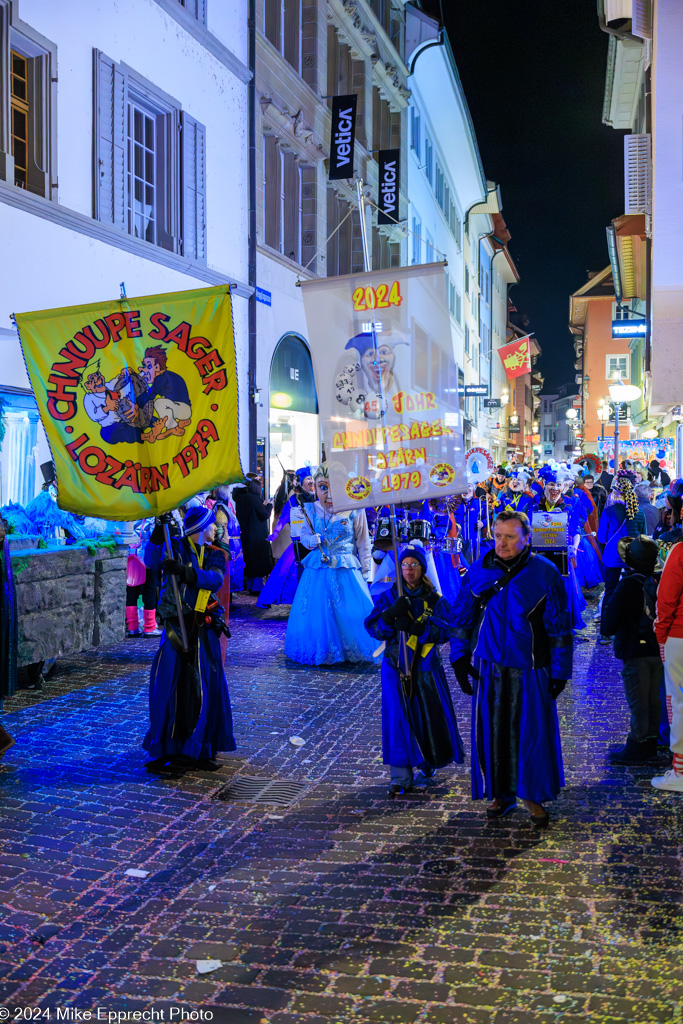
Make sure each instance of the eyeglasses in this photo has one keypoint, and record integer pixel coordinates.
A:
(411, 565)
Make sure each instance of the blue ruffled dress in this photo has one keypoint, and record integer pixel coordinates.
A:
(326, 623)
(280, 587)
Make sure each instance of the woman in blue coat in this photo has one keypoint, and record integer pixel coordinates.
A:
(189, 704)
(419, 727)
(512, 635)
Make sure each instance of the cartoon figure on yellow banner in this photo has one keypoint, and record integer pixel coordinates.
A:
(113, 404)
(168, 391)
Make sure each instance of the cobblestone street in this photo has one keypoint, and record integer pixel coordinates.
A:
(343, 906)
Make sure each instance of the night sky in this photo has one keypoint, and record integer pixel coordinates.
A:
(533, 73)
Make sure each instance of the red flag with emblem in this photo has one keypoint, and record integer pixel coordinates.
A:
(516, 357)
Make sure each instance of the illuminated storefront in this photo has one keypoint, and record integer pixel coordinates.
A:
(294, 431)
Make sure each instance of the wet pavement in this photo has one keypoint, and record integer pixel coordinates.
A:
(343, 906)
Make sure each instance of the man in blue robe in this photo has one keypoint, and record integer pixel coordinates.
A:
(512, 635)
(189, 704)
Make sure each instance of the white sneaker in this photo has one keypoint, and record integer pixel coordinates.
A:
(671, 781)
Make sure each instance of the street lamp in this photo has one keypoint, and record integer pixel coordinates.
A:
(603, 415)
(620, 392)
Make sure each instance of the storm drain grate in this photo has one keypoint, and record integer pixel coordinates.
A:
(254, 790)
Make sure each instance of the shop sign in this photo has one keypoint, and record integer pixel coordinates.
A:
(342, 138)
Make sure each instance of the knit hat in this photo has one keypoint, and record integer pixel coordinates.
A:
(304, 472)
(416, 551)
(197, 520)
(623, 484)
(639, 553)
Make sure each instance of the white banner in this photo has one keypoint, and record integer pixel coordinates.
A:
(387, 385)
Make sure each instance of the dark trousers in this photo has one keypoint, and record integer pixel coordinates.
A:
(642, 679)
(611, 578)
(148, 590)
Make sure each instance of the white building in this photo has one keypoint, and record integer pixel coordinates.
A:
(123, 157)
(451, 212)
(548, 426)
(307, 52)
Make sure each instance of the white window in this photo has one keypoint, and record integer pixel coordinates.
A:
(430, 251)
(429, 159)
(618, 367)
(416, 131)
(28, 70)
(417, 240)
(150, 162)
(197, 8)
(458, 306)
(467, 339)
(283, 27)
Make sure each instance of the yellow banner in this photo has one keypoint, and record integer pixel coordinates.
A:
(138, 399)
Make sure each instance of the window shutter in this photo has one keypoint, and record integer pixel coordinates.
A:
(641, 23)
(38, 101)
(637, 174)
(110, 141)
(198, 8)
(194, 188)
(6, 158)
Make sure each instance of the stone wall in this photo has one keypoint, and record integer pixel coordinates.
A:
(68, 600)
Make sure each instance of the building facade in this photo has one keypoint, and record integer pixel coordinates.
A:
(643, 96)
(307, 52)
(119, 161)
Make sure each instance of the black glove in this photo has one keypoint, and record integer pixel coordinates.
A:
(185, 573)
(400, 607)
(461, 668)
(403, 624)
(556, 687)
(158, 536)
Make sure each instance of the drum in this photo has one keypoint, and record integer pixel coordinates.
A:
(383, 533)
(419, 529)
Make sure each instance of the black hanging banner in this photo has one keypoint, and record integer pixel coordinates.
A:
(389, 183)
(343, 137)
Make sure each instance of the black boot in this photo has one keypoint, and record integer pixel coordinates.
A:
(634, 753)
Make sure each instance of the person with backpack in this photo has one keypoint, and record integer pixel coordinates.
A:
(629, 615)
(669, 633)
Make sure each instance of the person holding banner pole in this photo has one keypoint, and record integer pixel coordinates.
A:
(419, 725)
(189, 703)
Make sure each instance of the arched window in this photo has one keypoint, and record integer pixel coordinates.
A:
(294, 430)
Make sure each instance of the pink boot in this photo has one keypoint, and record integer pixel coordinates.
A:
(149, 618)
(132, 621)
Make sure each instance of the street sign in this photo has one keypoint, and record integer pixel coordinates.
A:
(478, 390)
(491, 403)
(263, 296)
(629, 328)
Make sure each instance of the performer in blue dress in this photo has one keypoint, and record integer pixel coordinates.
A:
(419, 727)
(554, 501)
(512, 635)
(280, 587)
(189, 703)
(326, 623)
